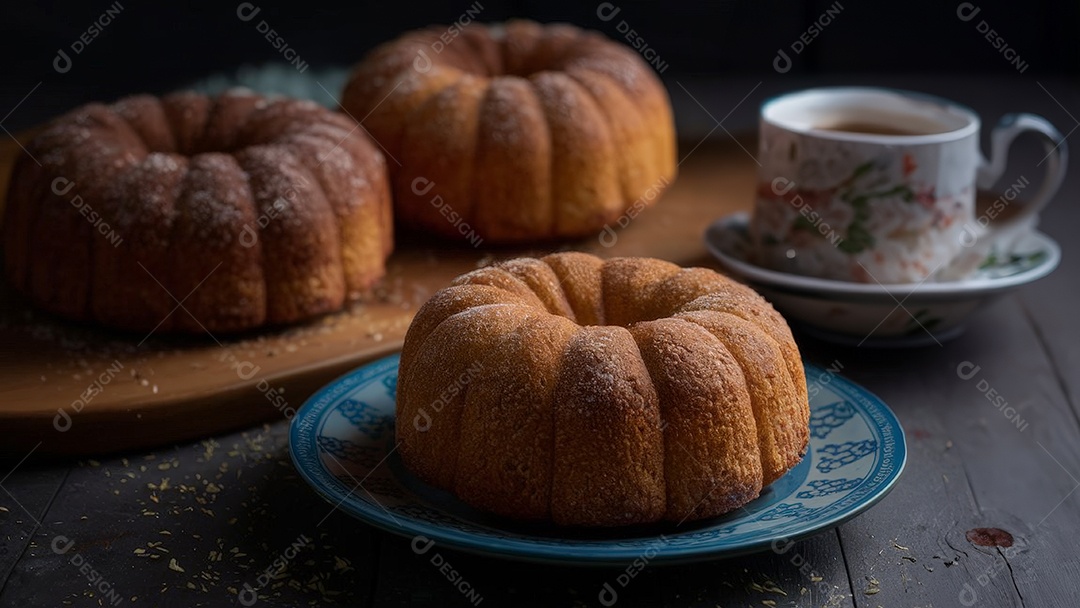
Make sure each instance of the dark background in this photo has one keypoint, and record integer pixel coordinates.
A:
(156, 47)
(967, 469)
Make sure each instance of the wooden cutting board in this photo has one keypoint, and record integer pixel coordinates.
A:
(70, 389)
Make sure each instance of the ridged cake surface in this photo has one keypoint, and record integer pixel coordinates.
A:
(256, 210)
(600, 393)
(515, 132)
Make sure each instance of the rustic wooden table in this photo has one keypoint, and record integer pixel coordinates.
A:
(190, 525)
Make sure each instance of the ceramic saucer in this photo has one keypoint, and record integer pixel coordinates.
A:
(870, 314)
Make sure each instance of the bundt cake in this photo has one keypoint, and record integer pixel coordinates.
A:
(600, 393)
(515, 132)
(249, 210)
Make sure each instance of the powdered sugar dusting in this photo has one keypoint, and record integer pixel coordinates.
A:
(101, 150)
(504, 111)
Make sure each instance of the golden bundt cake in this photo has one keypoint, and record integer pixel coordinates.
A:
(249, 210)
(600, 393)
(517, 132)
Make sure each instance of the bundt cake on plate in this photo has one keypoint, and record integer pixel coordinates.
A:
(249, 210)
(515, 132)
(600, 393)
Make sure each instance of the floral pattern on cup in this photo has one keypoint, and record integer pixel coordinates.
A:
(882, 206)
(840, 231)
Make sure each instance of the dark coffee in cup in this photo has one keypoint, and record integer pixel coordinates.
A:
(878, 185)
(860, 126)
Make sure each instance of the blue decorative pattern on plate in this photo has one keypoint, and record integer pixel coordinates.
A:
(342, 443)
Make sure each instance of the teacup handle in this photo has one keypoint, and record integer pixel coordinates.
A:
(1056, 159)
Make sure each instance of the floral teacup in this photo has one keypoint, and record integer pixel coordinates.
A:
(878, 185)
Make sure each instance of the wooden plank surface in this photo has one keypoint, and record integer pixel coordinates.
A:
(809, 574)
(147, 391)
(224, 510)
(25, 497)
(970, 467)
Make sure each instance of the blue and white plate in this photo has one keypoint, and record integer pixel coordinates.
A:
(342, 442)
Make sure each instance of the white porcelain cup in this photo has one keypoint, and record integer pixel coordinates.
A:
(879, 185)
